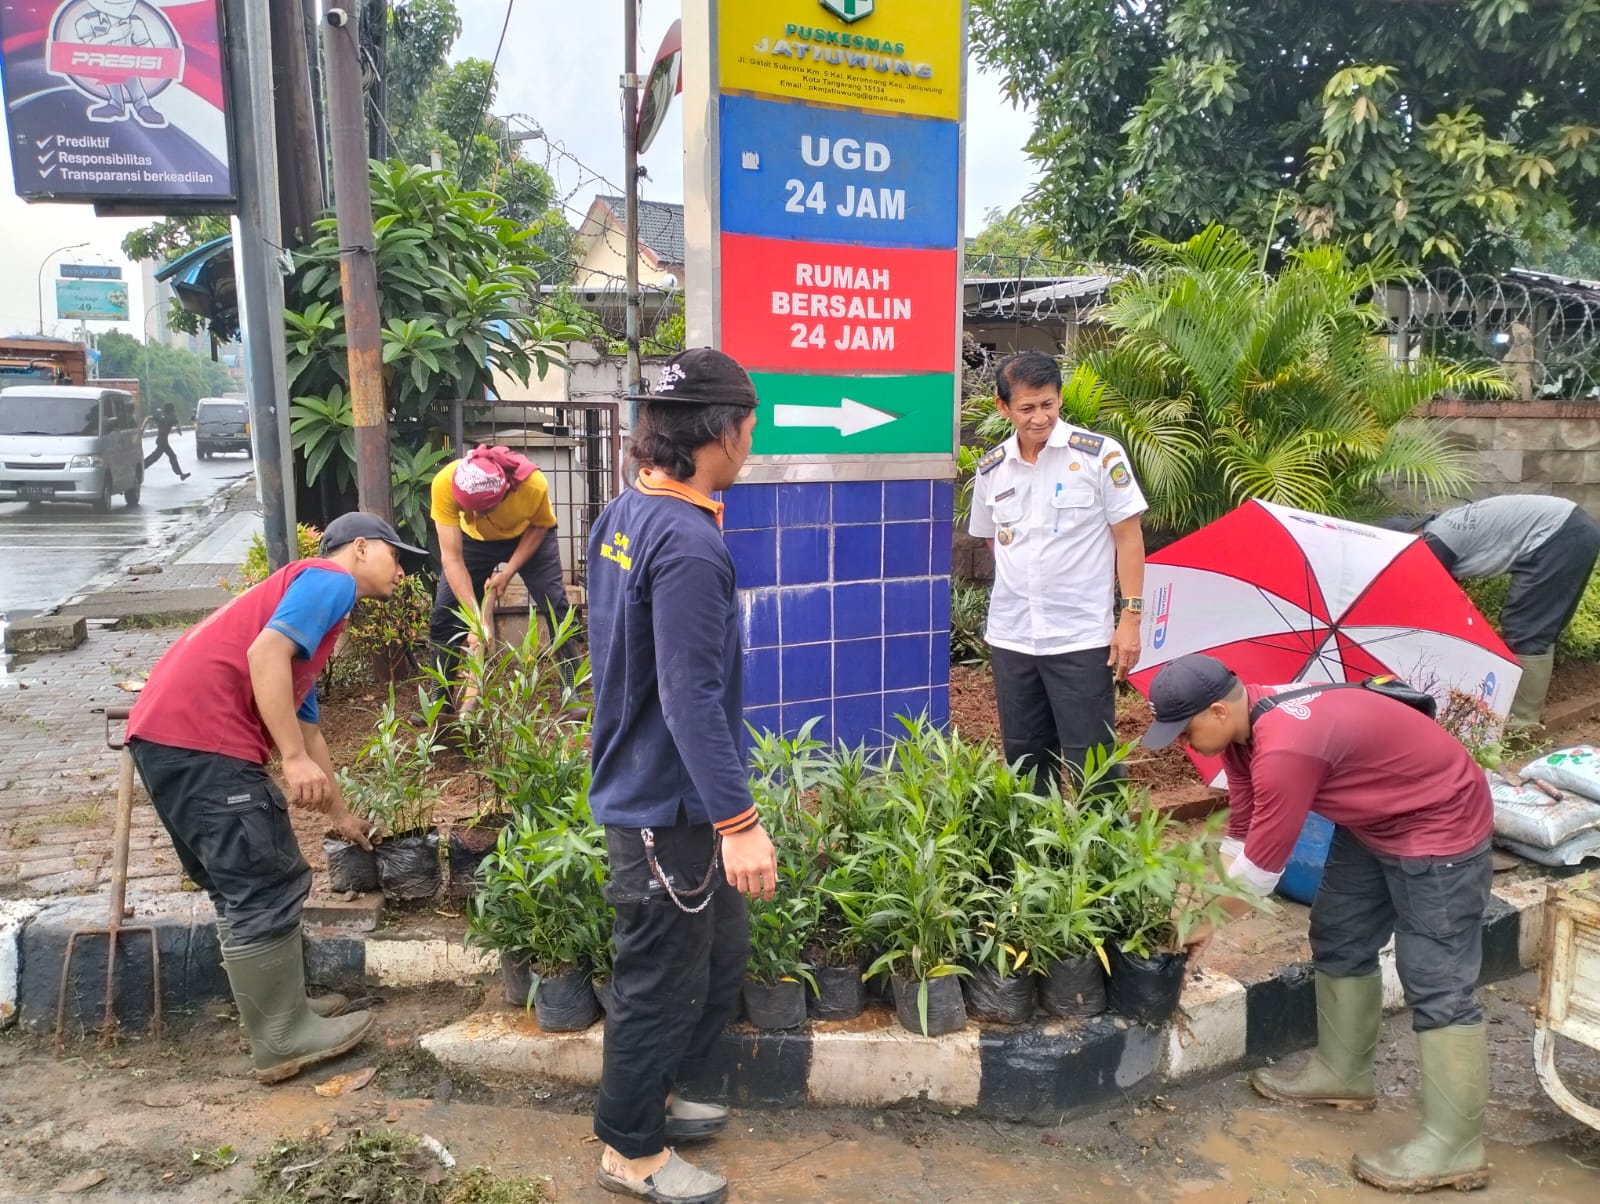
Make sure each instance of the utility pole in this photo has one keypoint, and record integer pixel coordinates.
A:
(300, 184)
(256, 232)
(630, 171)
(358, 271)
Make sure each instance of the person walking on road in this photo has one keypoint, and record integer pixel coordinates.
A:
(1549, 546)
(492, 508)
(236, 686)
(1060, 509)
(683, 838)
(1410, 858)
(166, 420)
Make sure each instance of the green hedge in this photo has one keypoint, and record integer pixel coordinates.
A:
(1579, 642)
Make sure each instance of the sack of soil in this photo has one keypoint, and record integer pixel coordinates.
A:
(1007, 998)
(840, 993)
(1576, 769)
(775, 1006)
(1145, 989)
(1538, 814)
(565, 1003)
(350, 867)
(1075, 986)
(946, 1011)
(1572, 851)
(408, 866)
(466, 849)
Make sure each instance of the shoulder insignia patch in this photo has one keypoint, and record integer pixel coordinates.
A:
(1106, 460)
(1085, 442)
(1120, 476)
(992, 459)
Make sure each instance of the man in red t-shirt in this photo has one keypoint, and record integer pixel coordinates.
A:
(1410, 857)
(235, 686)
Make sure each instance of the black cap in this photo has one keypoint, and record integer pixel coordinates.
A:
(348, 528)
(702, 376)
(1183, 689)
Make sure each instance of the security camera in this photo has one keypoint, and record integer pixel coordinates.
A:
(337, 17)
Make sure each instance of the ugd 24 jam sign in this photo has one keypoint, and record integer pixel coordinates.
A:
(116, 99)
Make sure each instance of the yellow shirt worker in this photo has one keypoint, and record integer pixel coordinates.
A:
(492, 508)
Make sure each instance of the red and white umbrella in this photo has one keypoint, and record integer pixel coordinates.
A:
(1281, 595)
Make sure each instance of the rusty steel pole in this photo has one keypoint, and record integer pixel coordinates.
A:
(358, 272)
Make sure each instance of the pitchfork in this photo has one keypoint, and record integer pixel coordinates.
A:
(114, 928)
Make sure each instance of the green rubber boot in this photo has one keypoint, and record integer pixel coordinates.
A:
(1339, 1072)
(1527, 704)
(1448, 1151)
(269, 988)
(330, 1004)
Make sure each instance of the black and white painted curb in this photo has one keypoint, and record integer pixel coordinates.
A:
(1039, 1072)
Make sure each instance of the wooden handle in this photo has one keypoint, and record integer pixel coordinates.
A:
(119, 840)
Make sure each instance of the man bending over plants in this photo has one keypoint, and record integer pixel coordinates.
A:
(683, 838)
(1410, 857)
(234, 687)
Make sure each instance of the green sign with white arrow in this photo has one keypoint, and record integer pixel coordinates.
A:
(842, 415)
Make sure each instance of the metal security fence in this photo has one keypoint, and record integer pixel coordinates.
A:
(578, 445)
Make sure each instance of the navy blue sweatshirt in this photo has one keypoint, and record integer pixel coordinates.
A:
(668, 669)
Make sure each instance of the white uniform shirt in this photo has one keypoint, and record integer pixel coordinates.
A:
(1054, 557)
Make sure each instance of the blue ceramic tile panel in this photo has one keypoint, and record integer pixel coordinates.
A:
(941, 604)
(807, 672)
(907, 607)
(797, 714)
(905, 662)
(857, 502)
(857, 609)
(858, 553)
(807, 615)
(858, 719)
(906, 549)
(758, 615)
(908, 703)
(750, 507)
(761, 681)
(939, 711)
(941, 663)
(803, 554)
(944, 501)
(857, 667)
(942, 548)
(755, 557)
(763, 719)
(907, 501)
(804, 505)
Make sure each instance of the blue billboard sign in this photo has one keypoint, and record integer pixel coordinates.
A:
(826, 175)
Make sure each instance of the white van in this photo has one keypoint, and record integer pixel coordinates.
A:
(69, 443)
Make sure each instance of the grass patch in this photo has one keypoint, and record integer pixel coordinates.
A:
(160, 622)
(383, 1167)
(78, 817)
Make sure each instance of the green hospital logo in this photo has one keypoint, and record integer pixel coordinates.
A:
(849, 11)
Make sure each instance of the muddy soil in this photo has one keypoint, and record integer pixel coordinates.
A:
(142, 1112)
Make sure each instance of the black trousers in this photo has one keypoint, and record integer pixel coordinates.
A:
(163, 448)
(541, 575)
(1054, 709)
(229, 823)
(676, 981)
(1547, 584)
(1434, 907)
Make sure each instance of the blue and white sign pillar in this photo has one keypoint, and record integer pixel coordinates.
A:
(824, 159)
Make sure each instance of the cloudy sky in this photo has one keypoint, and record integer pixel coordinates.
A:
(561, 73)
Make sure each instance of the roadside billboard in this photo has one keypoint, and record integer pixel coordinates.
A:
(94, 300)
(116, 100)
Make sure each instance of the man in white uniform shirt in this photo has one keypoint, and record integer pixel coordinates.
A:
(1060, 509)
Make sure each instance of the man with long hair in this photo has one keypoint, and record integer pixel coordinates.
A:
(683, 838)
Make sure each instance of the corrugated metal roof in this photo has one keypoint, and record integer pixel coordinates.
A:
(660, 226)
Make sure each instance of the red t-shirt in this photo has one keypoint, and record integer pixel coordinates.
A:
(1398, 781)
(199, 695)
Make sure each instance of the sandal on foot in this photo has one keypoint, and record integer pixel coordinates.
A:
(678, 1182)
(689, 1121)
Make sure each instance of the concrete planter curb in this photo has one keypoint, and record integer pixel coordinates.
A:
(1039, 1072)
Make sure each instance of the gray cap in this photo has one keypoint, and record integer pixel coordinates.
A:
(1181, 690)
(358, 524)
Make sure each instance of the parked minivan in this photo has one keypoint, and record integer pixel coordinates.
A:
(70, 443)
(221, 424)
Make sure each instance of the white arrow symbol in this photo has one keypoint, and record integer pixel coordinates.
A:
(848, 417)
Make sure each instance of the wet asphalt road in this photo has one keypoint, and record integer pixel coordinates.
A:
(51, 551)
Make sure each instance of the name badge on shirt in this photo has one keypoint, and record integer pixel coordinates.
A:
(1000, 497)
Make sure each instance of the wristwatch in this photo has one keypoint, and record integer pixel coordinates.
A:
(1133, 606)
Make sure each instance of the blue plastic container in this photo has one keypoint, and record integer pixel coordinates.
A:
(1303, 874)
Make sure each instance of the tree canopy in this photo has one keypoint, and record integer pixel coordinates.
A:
(166, 375)
(1441, 130)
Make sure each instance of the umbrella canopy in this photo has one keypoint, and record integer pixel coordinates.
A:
(1281, 596)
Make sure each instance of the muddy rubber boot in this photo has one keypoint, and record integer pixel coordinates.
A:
(1448, 1151)
(1527, 705)
(269, 988)
(1339, 1072)
(331, 1004)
